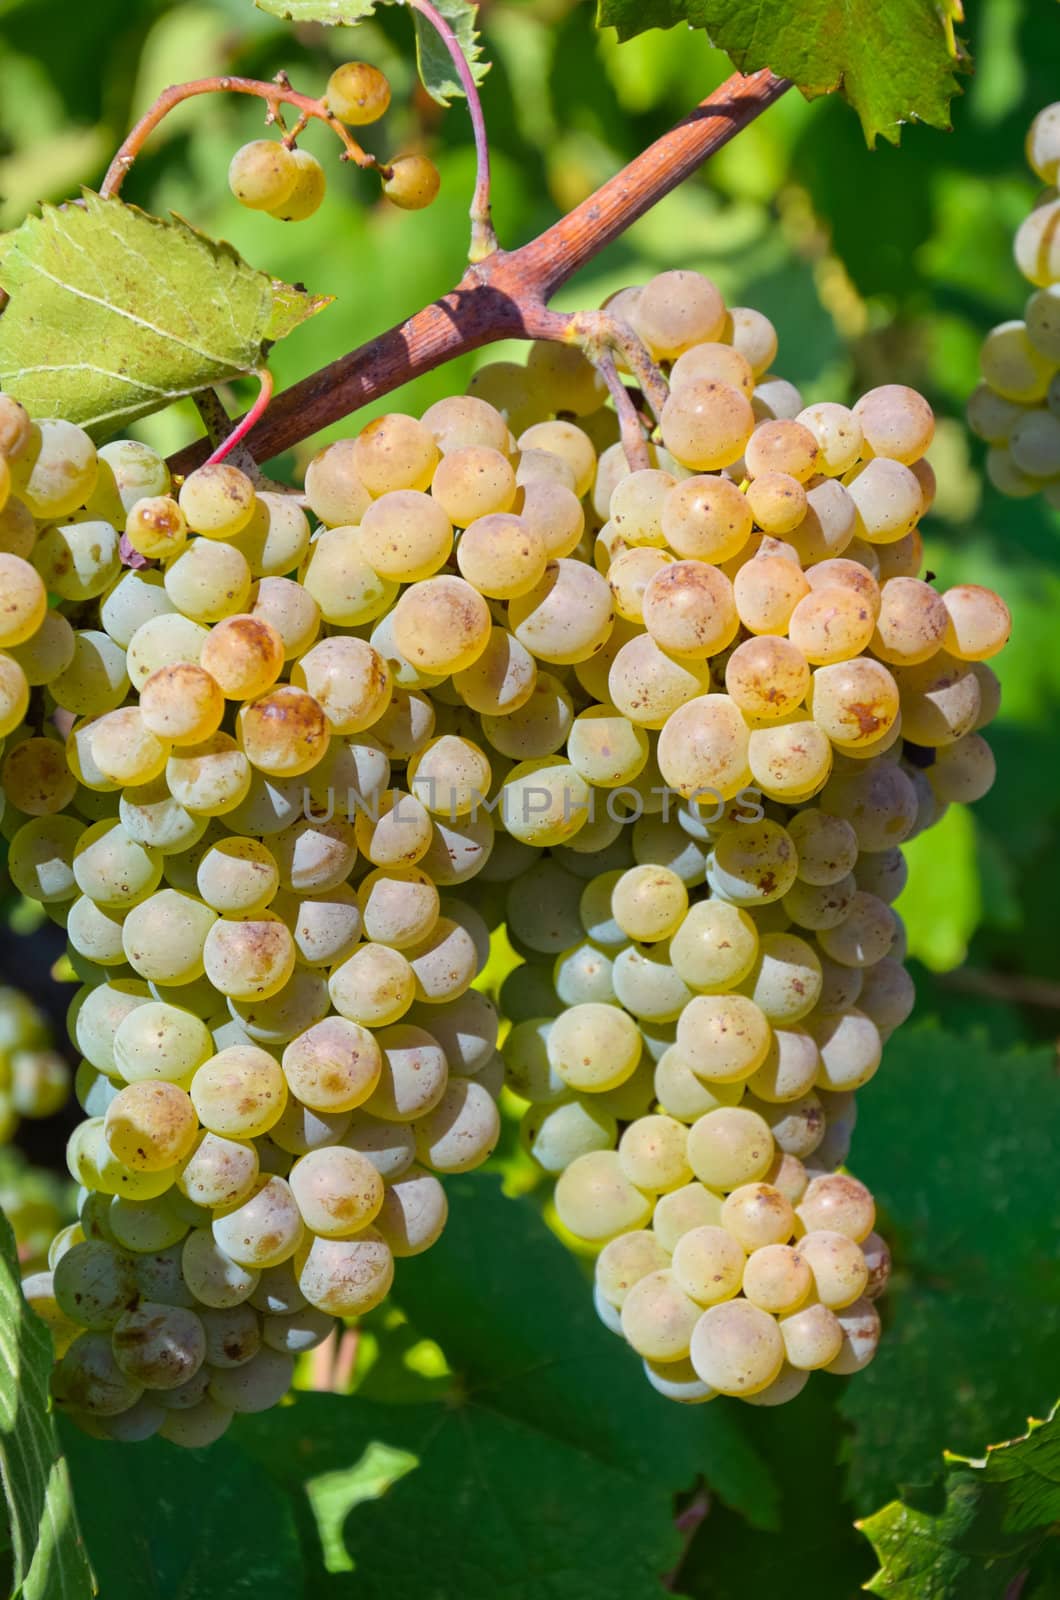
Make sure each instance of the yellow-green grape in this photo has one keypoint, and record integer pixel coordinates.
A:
(262, 174)
(629, 574)
(896, 422)
(244, 656)
(395, 451)
(839, 1269)
(790, 1068)
(595, 1200)
(556, 1135)
(501, 555)
(307, 191)
(249, 958)
(676, 310)
(648, 686)
(399, 907)
(724, 1037)
(712, 359)
(756, 1214)
(708, 1262)
(338, 1191)
(40, 1082)
(649, 903)
(374, 987)
(211, 778)
(263, 1230)
(346, 1277)
(539, 724)
(678, 1380)
(334, 491)
(150, 1126)
(284, 733)
(450, 776)
(55, 468)
(785, 981)
(1042, 146)
(349, 681)
(840, 1204)
(94, 681)
(444, 963)
(607, 749)
(93, 1283)
(163, 640)
(15, 426)
(41, 659)
(36, 778)
(125, 749)
(461, 1131)
(209, 580)
(1036, 248)
(219, 1171)
(217, 500)
(333, 1066)
(326, 927)
(766, 591)
(112, 868)
(237, 876)
(544, 803)
(442, 625)
(781, 445)
(737, 1348)
(157, 1040)
(683, 1095)
(625, 1260)
(554, 511)
(706, 425)
(405, 535)
(156, 527)
(473, 481)
(979, 622)
(239, 1093)
(77, 561)
(358, 93)
(729, 1147)
(704, 747)
(315, 855)
(594, 1047)
(413, 1077)
(413, 1213)
(652, 1153)
(277, 538)
(25, 600)
(658, 1317)
(567, 616)
(838, 433)
(213, 1277)
(411, 182)
(776, 1279)
(706, 519)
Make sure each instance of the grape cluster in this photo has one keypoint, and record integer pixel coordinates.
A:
(280, 782)
(287, 182)
(1016, 408)
(34, 1078)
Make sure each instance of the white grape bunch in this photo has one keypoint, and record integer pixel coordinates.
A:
(283, 777)
(1016, 407)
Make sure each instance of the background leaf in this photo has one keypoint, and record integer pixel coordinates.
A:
(47, 1557)
(114, 313)
(979, 1532)
(958, 1143)
(894, 63)
(169, 1524)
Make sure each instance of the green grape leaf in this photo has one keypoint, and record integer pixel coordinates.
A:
(435, 64)
(114, 313)
(957, 1140)
(976, 1534)
(895, 63)
(47, 1555)
(545, 1430)
(162, 1521)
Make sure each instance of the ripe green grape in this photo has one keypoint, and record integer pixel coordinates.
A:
(411, 182)
(262, 174)
(306, 193)
(358, 93)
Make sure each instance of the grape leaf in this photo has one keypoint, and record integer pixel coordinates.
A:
(114, 313)
(958, 1143)
(183, 1524)
(895, 63)
(48, 1557)
(546, 1440)
(435, 64)
(975, 1535)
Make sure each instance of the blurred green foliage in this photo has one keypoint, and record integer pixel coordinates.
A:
(883, 266)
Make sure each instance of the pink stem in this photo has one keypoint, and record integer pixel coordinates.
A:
(244, 425)
(483, 238)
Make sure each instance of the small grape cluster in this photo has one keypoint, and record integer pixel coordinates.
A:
(280, 783)
(287, 182)
(1016, 408)
(34, 1078)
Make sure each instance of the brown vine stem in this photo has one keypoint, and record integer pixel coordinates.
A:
(504, 296)
(483, 238)
(275, 95)
(634, 444)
